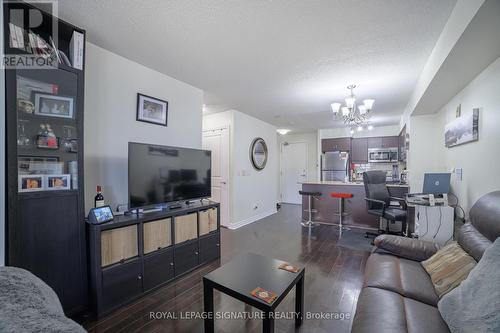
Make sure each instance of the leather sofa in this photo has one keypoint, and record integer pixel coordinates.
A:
(397, 294)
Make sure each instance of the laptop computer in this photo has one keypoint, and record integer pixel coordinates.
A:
(436, 183)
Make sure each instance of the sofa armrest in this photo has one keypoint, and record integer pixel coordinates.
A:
(409, 248)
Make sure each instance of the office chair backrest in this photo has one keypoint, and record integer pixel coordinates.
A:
(375, 188)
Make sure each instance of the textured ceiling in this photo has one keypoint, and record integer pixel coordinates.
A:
(283, 61)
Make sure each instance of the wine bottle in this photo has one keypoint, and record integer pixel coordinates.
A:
(99, 198)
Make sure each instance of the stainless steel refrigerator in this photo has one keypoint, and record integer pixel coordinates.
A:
(335, 166)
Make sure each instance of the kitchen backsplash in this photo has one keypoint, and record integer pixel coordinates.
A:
(387, 167)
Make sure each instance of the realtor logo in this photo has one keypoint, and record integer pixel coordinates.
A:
(32, 35)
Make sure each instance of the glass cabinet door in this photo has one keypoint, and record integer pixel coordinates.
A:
(47, 135)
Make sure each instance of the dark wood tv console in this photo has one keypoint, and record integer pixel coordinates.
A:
(135, 254)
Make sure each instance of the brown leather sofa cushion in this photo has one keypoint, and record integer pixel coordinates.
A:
(380, 310)
(472, 241)
(485, 215)
(414, 249)
(405, 277)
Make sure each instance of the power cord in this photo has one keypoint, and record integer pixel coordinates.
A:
(455, 206)
(440, 222)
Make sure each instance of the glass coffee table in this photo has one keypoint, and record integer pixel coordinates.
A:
(243, 274)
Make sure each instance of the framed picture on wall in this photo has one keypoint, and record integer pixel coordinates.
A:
(152, 110)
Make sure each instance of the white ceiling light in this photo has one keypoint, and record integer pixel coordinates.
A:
(335, 107)
(368, 103)
(353, 114)
(282, 131)
(362, 109)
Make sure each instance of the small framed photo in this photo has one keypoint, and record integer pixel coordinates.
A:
(152, 110)
(58, 182)
(54, 105)
(31, 183)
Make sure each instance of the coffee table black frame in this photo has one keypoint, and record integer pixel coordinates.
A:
(244, 273)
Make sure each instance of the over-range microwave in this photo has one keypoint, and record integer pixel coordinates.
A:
(380, 155)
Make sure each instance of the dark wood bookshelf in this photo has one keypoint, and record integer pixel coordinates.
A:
(45, 231)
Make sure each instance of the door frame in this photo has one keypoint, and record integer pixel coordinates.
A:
(229, 180)
(281, 163)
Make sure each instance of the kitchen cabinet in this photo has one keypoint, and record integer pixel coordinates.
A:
(390, 141)
(338, 144)
(375, 142)
(402, 145)
(359, 150)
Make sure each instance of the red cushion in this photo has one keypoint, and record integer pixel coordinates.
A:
(341, 195)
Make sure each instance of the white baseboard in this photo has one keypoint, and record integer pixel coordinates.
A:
(252, 219)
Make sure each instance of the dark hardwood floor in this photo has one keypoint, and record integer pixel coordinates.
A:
(334, 276)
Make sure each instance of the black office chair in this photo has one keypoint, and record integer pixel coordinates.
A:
(378, 202)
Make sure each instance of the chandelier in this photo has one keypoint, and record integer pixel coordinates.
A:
(354, 115)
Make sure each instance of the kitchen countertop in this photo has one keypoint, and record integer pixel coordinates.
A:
(326, 182)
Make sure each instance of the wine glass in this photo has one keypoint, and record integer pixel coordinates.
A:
(22, 138)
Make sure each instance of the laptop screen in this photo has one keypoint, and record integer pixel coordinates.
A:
(436, 183)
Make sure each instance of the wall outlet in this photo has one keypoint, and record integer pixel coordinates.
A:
(458, 173)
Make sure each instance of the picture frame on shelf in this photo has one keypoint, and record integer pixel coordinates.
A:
(58, 182)
(31, 183)
(54, 105)
(24, 162)
(152, 110)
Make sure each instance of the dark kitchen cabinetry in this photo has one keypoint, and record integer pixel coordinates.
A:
(45, 228)
(383, 142)
(375, 142)
(135, 254)
(338, 144)
(402, 145)
(390, 141)
(359, 150)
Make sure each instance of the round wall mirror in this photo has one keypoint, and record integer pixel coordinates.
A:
(258, 153)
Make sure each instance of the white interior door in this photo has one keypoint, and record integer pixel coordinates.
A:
(217, 141)
(293, 171)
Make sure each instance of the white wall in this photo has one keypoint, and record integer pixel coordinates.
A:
(479, 160)
(252, 193)
(425, 138)
(2, 152)
(311, 139)
(459, 19)
(111, 86)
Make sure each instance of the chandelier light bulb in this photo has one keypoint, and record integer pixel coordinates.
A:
(335, 107)
(362, 109)
(360, 128)
(352, 131)
(370, 127)
(349, 101)
(345, 111)
(368, 103)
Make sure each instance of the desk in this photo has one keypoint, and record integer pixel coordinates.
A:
(431, 223)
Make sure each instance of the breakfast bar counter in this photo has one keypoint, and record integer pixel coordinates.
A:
(327, 206)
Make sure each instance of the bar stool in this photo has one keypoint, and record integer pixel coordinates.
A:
(341, 196)
(311, 195)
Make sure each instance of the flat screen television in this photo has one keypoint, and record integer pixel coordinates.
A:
(161, 174)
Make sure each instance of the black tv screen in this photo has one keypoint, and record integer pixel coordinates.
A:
(162, 174)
